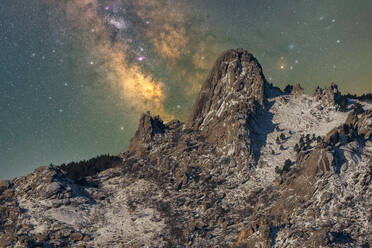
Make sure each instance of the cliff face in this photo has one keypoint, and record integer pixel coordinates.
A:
(234, 87)
(252, 167)
(229, 102)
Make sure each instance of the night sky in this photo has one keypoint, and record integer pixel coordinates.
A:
(75, 75)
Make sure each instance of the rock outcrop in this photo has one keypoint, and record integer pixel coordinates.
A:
(329, 96)
(229, 102)
(296, 89)
(231, 176)
(149, 128)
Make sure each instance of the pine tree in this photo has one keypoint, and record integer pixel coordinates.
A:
(296, 148)
(287, 165)
(302, 142)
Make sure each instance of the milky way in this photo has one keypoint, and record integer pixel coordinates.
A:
(77, 74)
(130, 40)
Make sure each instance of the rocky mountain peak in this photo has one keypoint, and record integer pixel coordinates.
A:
(234, 86)
(148, 127)
(229, 100)
(252, 167)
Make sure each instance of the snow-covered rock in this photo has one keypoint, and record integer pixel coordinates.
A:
(252, 167)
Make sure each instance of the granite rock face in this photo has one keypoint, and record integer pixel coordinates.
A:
(329, 96)
(252, 167)
(229, 102)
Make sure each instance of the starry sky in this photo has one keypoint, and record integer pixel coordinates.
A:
(75, 75)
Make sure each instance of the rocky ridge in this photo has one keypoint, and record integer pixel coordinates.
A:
(228, 177)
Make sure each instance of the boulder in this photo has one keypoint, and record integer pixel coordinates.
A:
(4, 185)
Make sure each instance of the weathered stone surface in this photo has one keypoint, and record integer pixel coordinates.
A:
(52, 189)
(41, 237)
(230, 97)
(4, 185)
(211, 182)
(329, 96)
(76, 236)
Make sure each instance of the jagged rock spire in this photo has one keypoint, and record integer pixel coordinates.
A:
(329, 96)
(226, 109)
(235, 85)
(148, 127)
(228, 103)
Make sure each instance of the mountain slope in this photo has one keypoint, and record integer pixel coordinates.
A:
(252, 167)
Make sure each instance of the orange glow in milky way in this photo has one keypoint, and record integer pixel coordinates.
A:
(134, 86)
(138, 90)
(185, 53)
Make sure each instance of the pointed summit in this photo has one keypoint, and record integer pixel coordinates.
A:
(234, 86)
(226, 109)
(148, 127)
